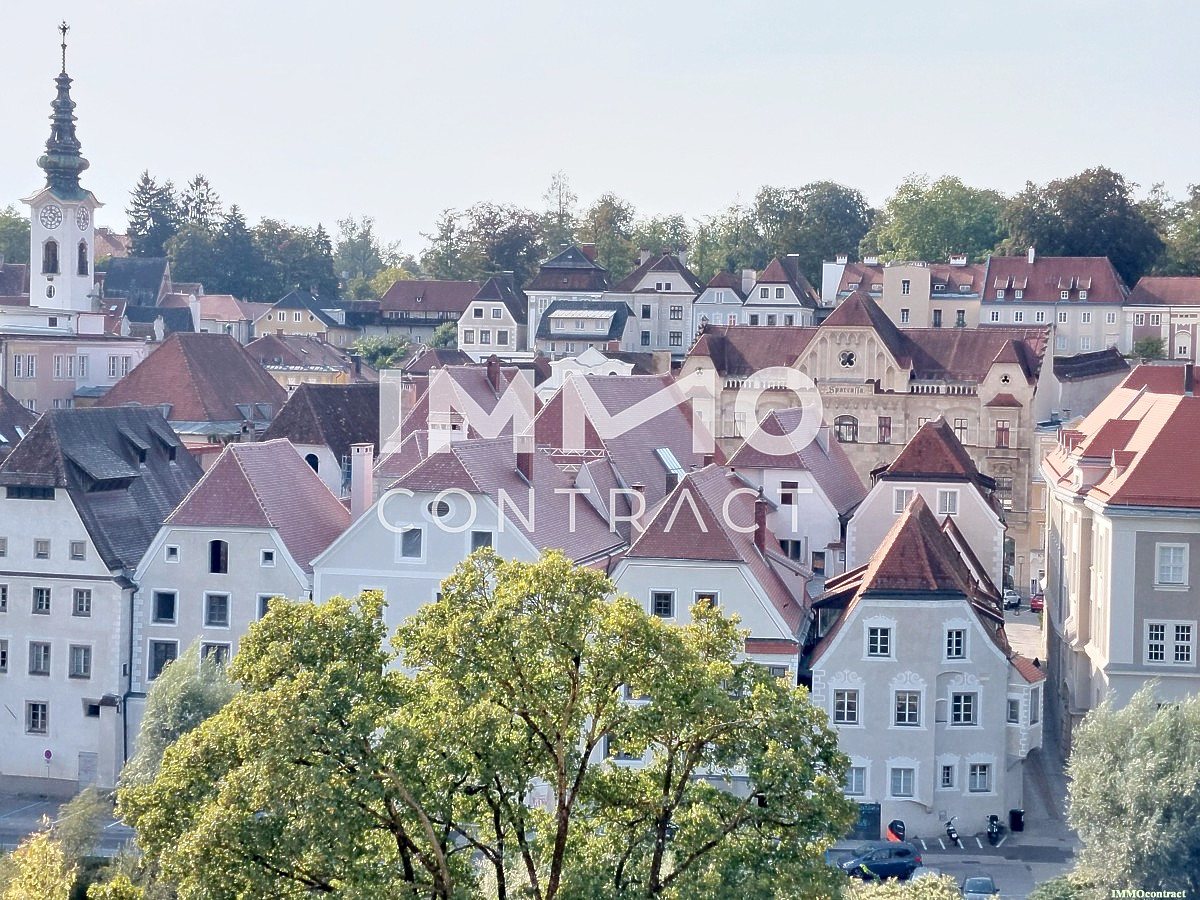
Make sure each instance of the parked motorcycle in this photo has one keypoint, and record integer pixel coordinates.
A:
(993, 829)
(952, 832)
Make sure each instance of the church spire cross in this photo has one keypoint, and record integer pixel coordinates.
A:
(63, 29)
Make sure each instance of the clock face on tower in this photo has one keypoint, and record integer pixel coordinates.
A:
(51, 216)
(82, 218)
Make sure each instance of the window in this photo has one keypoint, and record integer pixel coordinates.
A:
(1019, 316)
(789, 320)
(480, 539)
(3, 598)
(1014, 711)
(164, 607)
(411, 540)
(754, 319)
(171, 553)
(845, 707)
(856, 781)
(960, 429)
(41, 601)
(846, 429)
(161, 653)
(1083, 296)
(81, 602)
(787, 492)
(846, 359)
(1062, 317)
(119, 365)
(708, 598)
(485, 334)
(1064, 295)
(908, 708)
(1155, 319)
(771, 319)
(50, 258)
(956, 643)
(903, 782)
(900, 499)
(264, 604)
(502, 337)
(1110, 318)
(216, 610)
(645, 339)
(764, 293)
(879, 641)
(960, 318)
(296, 317)
(219, 653)
(818, 563)
(645, 310)
(937, 318)
(963, 709)
(677, 313)
(947, 778)
(1002, 432)
(3, 656)
(905, 286)
(904, 315)
(675, 339)
(778, 293)
(78, 550)
(477, 312)
(947, 502)
(80, 661)
(218, 557)
(469, 333)
(1170, 643)
(1035, 705)
(883, 432)
(39, 658)
(1039, 316)
(995, 315)
(662, 604)
(3, 546)
(1139, 318)
(1085, 318)
(37, 717)
(496, 312)
(980, 778)
(1171, 565)
(24, 365)
(999, 293)
(266, 558)
(41, 549)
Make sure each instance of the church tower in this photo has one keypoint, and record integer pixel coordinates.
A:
(62, 231)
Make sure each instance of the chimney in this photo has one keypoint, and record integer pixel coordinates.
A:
(760, 523)
(644, 256)
(672, 481)
(682, 256)
(870, 260)
(841, 259)
(638, 505)
(362, 478)
(1032, 255)
(1189, 380)
(749, 276)
(958, 259)
(525, 451)
(588, 250)
(706, 459)
(193, 306)
(493, 372)
(356, 366)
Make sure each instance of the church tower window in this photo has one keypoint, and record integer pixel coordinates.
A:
(84, 264)
(50, 257)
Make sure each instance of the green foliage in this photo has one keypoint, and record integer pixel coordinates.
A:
(1069, 887)
(200, 206)
(559, 219)
(608, 223)
(1090, 214)
(383, 351)
(928, 221)
(445, 336)
(39, 870)
(80, 823)
(942, 887)
(333, 770)
(486, 239)
(1149, 348)
(1180, 225)
(14, 236)
(187, 692)
(366, 267)
(154, 216)
(1140, 824)
(118, 888)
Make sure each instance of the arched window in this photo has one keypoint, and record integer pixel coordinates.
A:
(312, 460)
(50, 258)
(846, 429)
(218, 556)
(84, 264)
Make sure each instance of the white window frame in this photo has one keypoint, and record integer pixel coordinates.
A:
(856, 781)
(208, 598)
(947, 501)
(903, 794)
(896, 717)
(974, 771)
(81, 653)
(900, 499)
(1011, 717)
(847, 706)
(964, 709)
(1171, 584)
(955, 640)
(882, 636)
(401, 557)
(654, 595)
(1171, 643)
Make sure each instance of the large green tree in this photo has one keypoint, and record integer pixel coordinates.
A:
(609, 223)
(486, 239)
(929, 220)
(154, 216)
(1134, 796)
(1180, 226)
(200, 204)
(359, 257)
(14, 236)
(1093, 213)
(559, 219)
(332, 770)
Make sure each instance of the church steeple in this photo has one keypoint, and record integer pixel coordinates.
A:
(61, 161)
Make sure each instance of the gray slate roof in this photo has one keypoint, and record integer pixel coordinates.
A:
(136, 280)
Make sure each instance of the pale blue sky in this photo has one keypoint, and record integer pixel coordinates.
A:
(309, 111)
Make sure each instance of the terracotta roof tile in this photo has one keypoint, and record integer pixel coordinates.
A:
(333, 415)
(429, 296)
(666, 262)
(1158, 290)
(1027, 670)
(1045, 279)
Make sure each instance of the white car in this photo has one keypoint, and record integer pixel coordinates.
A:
(1012, 600)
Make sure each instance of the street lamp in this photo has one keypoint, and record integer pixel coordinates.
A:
(1020, 572)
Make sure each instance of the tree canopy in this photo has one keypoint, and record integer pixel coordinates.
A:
(1139, 824)
(930, 220)
(497, 758)
(14, 236)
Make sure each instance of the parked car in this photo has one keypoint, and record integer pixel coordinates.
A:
(1037, 602)
(882, 859)
(979, 887)
(1012, 600)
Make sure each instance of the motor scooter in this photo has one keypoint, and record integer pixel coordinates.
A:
(952, 832)
(993, 829)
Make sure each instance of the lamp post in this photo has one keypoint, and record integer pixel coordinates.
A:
(1020, 573)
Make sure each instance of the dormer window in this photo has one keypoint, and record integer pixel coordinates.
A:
(1083, 295)
(939, 288)
(999, 293)
(853, 286)
(1064, 295)
(1019, 294)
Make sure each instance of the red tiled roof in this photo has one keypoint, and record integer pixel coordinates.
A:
(429, 296)
(1004, 400)
(266, 485)
(915, 556)
(859, 274)
(772, 646)
(666, 262)
(1026, 669)
(828, 462)
(1167, 379)
(463, 383)
(333, 415)
(933, 451)
(202, 376)
(728, 281)
(1158, 290)
(741, 350)
(1045, 279)
(435, 358)
(413, 449)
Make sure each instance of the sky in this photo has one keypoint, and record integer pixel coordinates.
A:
(313, 111)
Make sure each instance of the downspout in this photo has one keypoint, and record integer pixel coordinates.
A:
(128, 681)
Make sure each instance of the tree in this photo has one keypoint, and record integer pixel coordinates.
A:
(445, 336)
(80, 824)
(154, 216)
(180, 698)
(195, 255)
(1139, 825)
(942, 887)
(359, 257)
(1181, 230)
(608, 223)
(558, 222)
(1090, 214)
(729, 242)
(200, 205)
(120, 887)
(294, 257)
(244, 269)
(486, 239)
(383, 351)
(662, 233)
(14, 236)
(39, 869)
(332, 769)
(927, 221)
(1149, 348)
(835, 219)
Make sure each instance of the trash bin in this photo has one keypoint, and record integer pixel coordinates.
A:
(895, 830)
(1016, 819)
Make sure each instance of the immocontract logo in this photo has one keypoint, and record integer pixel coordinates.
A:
(453, 413)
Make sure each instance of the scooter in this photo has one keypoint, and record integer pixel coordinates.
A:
(993, 829)
(952, 832)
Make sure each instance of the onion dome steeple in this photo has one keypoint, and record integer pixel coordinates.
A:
(61, 161)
